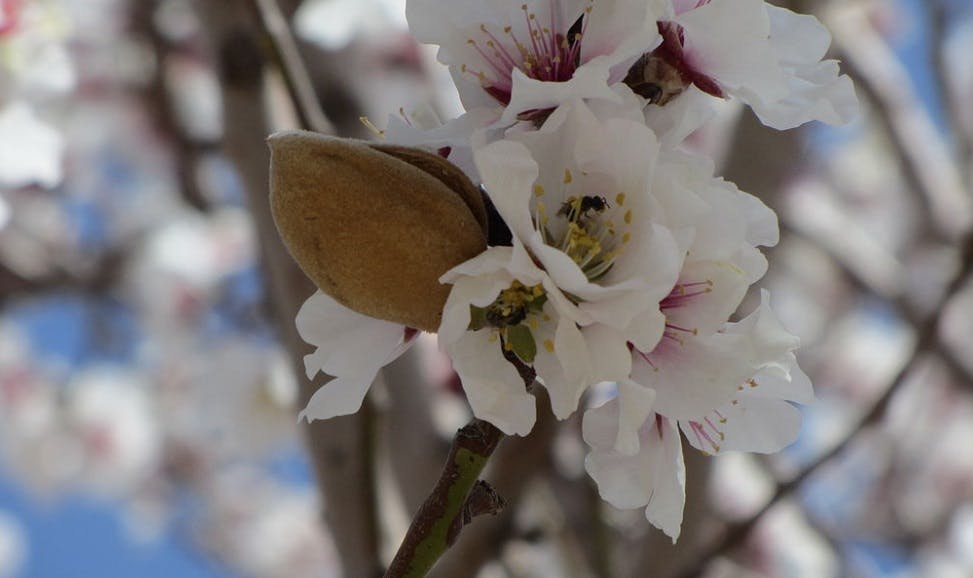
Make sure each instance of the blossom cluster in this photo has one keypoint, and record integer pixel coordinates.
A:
(34, 67)
(622, 257)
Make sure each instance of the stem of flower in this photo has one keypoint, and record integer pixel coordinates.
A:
(459, 495)
(441, 518)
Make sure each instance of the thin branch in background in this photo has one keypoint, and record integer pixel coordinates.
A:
(938, 14)
(900, 306)
(338, 447)
(921, 153)
(287, 57)
(159, 97)
(926, 340)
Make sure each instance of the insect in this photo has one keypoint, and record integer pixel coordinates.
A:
(575, 208)
(655, 79)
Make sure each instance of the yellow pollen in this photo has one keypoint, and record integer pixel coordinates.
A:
(493, 337)
(567, 176)
(549, 345)
(538, 190)
(628, 217)
(620, 199)
(626, 237)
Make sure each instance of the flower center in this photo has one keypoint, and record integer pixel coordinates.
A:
(512, 315)
(680, 296)
(666, 72)
(584, 230)
(546, 53)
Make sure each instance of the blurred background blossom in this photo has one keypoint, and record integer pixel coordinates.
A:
(148, 392)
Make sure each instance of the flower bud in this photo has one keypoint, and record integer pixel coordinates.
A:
(373, 225)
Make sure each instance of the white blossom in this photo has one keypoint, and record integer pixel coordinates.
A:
(578, 194)
(351, 347)
(729, 390)
(524, 59)
(518, 309)
(769, 57)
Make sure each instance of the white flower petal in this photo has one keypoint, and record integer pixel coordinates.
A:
(562, 362)
(30, 150)
(728, 40)
(696, 376)
(493, 387)
(635, 407)
(508, 172)
(753, 424)
(348, 343)
(665, 507)
(654, 477)
(340, 396)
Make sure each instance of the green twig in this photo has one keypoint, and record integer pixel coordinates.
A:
(459, 495)
(448, 508)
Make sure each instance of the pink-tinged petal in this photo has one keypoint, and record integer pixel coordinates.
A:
(493, 387)
(750, 424)
(348, 343)
(590, 80)
(728, 40)
(694, 376)
(707, 294)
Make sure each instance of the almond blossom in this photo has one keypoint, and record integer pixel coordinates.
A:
(524, 59)
(768, 57)
(578, 194)
(737, 386)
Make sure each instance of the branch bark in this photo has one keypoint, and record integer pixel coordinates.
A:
(339, 448)
(439, 521)
(449, 508)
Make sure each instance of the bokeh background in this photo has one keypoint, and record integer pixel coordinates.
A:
(149, 377)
